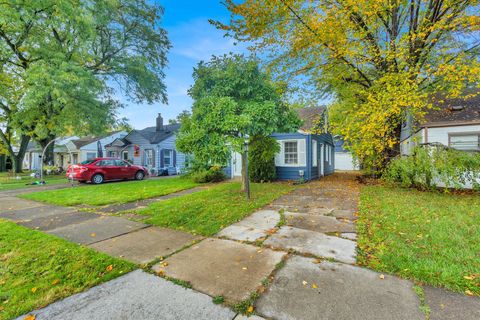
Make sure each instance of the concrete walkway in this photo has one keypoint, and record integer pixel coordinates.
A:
(298, 254)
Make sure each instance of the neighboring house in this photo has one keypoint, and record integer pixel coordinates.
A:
(33, 155)
(454, 123)
(70, 150)
(318, 116)
(152, 147)
(343, 158)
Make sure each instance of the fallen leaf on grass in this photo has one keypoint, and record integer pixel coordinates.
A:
(56, 281)
(469, 277)
(109, 268)
(250, 309)
(469, 293)
(34, 290)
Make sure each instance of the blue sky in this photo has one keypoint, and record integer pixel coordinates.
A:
(193, 39)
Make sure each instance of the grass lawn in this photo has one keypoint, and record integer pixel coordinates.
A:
(208, 211)
(37, 269)
(8, 182)
(112, 192)
(429, 237)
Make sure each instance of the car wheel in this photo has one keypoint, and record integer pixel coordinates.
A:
(97, 178)
(139, 175)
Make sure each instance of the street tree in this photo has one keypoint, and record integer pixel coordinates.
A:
(233, 100)
(380, 60)
(63, 62)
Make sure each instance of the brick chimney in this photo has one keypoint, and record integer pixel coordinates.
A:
(159, 123)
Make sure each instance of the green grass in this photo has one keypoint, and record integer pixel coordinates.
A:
(9, 182)
(112, 192)
(37, 269)
(208, 211)
(429, 237)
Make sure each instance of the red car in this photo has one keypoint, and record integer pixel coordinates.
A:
(99, 170)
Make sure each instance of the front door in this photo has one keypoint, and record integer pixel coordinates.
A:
(321, 161)
(237, 164)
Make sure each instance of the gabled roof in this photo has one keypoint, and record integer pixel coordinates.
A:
(310, 116)
(153, 136)
(448, 112)
(118, 142)
(89, 139)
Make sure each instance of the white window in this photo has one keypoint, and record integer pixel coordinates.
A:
(167, 158)
(91, 155)
(314, 153)
(467, 142)
(292, 153)
(149, 158)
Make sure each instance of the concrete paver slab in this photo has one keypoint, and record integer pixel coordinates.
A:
(318, 223)
(144, 245)
(447, 305)
(98, 229)
(32, 213)
(60, 218)
(13, 203)
(311, 242)
(136, 295)
(252, 227)
(222, 267)
(305, 290)
(242, 233)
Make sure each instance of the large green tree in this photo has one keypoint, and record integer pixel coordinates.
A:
(62, 63)
(233, 100)
(380, 59)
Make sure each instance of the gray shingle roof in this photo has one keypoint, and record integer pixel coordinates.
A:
(154, 136)
(453, 111)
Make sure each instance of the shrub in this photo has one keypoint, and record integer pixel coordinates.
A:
(429, 167)
(261, 158)
(213, 174)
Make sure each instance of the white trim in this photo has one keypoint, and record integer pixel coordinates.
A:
(314, 153)
(301, 154)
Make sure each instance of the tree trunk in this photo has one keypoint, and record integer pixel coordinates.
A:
(3, 163)
(49, 157)
(17, 159)
(244, 171)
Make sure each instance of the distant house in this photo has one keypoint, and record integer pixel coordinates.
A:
(152, 147)
(454, 123)
(71, 150)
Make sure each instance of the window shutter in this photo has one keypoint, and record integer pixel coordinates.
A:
(174, 155)
(162, 162)
(301, 153)
(279, 156)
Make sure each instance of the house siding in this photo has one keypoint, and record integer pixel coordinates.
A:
(310, 171)
(170, 144)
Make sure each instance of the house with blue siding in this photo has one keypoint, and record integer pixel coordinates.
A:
(152, 147)
(302, 156)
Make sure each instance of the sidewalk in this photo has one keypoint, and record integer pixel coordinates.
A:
(297, 255)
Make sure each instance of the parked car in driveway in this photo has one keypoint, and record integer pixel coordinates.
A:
(99, 170)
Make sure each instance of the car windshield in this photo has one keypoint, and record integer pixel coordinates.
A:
(88, 161)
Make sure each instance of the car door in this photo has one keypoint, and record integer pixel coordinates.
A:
(108, 168)
(124, 169)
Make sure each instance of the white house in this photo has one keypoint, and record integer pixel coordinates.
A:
(72, 149)
(454, 123)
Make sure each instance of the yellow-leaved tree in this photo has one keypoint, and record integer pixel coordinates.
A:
(380, 60)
